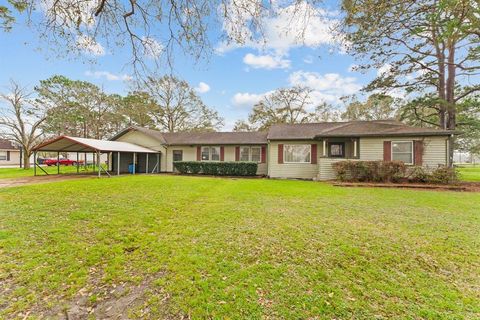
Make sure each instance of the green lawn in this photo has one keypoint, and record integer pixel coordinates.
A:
(240, 249)
(7, 173)
(470, 173)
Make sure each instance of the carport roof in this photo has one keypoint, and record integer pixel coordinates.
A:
(75, 144)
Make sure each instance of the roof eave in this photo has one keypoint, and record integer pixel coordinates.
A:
(396, 134)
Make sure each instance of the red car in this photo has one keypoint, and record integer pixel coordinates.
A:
(63, 162)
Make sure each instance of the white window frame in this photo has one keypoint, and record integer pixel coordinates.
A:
(250, 154)
(411, 148)
(210, 153)
(294, 145)
(3, 157)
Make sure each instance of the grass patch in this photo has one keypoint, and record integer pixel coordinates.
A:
(10, 173)
(469, 173)
(242, 248)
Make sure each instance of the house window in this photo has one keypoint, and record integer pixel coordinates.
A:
(3, 155)
(177, 155)
(296, 153)
(256, 154)
(205, 153)
(215, 153)
(253, 154)
(402, 151)
(336, 149)
(210, 153)
(245, 154)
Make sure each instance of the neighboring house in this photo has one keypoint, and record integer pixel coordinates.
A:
(303, 151)
(9, 154)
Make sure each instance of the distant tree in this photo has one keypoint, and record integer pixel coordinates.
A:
(285, 105)
(78, 108)
(20, 120)
(377, 107)
(179, 108)
(242, 126)
(137, 108)
(325, 112)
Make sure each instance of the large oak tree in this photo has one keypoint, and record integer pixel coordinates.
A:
(419, 46)
(178, 107)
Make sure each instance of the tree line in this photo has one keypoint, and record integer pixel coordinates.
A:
(61, 106)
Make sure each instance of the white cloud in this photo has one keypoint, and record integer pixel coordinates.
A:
(246, 99)
(108, 75)
(152, 48)
(329, 87)
(385, 70)
(287, 27)
(308, 59)
(265, 61)
(90, 46)
(202, 87)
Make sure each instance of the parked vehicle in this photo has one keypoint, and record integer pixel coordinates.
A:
(63, 162)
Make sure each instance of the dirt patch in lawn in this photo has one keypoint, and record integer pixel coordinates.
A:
(114, 301)
(464, 186)
(16, 182)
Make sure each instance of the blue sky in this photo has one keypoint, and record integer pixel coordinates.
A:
(233, 78)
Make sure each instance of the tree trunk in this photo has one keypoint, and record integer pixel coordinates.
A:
(26, 159)
(450, 97)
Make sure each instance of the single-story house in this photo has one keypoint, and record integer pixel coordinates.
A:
(9, 153)
(305, 151)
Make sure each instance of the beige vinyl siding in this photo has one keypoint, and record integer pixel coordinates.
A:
(190, 154)
(291, 170)
(325, 170)
(14, 158)
(146, 141)
(434, 150)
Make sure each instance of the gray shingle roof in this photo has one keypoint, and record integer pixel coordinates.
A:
(304, 131)
(192, 138)
(351, 128)
(185, 138)
(6, 144)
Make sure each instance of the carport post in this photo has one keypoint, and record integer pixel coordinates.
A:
(98, 163)
(134, 157)
(118, 163)
(34, 163)
(58, 162)
(158, 162)
(146, 166)
(77, 163)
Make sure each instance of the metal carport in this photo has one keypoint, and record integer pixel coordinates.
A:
(116, 149)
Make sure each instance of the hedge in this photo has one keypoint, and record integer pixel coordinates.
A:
(392, 171)
(369, 171)
(221, 168)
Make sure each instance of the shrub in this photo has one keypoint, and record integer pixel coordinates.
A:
(418, 174)
(221, 168)
(443, 175)
(369, 171)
